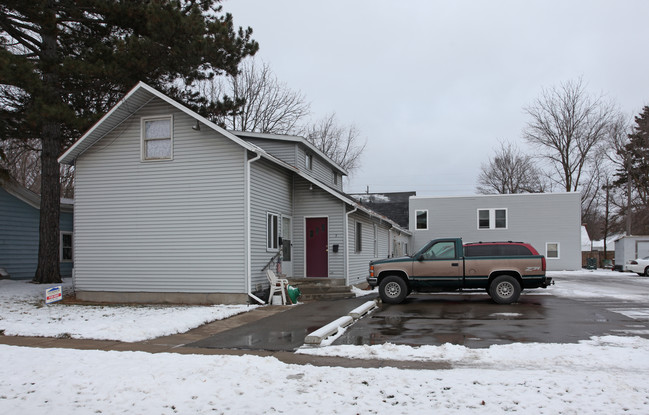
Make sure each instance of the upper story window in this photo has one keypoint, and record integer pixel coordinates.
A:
(335, 177)
(157, 138)
(308, 162)
(492, 218)
(422, 219)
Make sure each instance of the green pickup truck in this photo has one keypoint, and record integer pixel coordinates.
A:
(502, 268)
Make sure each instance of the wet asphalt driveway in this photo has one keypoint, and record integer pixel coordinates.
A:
(472, 320)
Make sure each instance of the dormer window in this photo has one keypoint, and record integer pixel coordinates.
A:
(157, 138)
(335, 177)
(308, 162)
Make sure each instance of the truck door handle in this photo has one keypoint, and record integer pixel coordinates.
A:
(455, 264)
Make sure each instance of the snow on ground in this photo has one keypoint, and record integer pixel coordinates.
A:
(601, 375)
(610, 378)
(23, 312)
(612, 284)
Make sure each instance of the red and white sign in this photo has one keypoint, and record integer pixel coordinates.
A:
(53, 294)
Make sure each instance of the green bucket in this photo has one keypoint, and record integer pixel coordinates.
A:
(293, 294)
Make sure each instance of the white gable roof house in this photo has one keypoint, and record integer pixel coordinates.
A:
(170, 207)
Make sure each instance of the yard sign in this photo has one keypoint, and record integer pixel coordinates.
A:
(53, 294)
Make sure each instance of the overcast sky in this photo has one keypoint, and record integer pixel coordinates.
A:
(434, 85)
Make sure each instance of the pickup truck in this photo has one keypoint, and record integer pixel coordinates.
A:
(502, 268)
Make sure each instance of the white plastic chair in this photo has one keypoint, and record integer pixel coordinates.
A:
(276, 285)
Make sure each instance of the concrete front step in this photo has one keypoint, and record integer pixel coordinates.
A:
(321, 288)
(330, 282)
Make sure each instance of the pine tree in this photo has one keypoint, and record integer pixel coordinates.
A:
(636, 155)
(63, 63)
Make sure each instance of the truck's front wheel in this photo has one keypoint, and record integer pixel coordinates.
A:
(505, 289)
(393, 289)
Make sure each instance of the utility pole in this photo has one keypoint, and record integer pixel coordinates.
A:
(628, 196)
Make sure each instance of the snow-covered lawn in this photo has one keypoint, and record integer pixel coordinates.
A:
(604, 375)
(23, 312)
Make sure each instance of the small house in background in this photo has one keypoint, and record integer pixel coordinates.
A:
(630, 247)
(549, 221)
(19, 232)
(170, 207)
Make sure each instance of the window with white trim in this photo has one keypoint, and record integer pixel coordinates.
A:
(422, 219)
(157, 138)
(492, 218)
(552, 250)
(66, 247)
(308, 162)
(272, 231)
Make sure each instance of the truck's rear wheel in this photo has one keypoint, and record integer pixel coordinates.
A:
(393, 289)
(505, 289)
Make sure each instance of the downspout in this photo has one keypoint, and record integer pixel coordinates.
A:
(248, 278)
(347, 244)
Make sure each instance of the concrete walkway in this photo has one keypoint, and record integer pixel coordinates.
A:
(249, 322)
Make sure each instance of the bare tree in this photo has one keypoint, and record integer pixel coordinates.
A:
(22, 162)
(342, 144)
(567, 125)
(263, 103)
(510, 171)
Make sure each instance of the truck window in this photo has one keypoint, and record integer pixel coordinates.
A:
(515, 250)
(496, 250)
(441, 250)
(481, 250)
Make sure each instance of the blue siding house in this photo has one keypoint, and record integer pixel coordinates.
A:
(19, 223)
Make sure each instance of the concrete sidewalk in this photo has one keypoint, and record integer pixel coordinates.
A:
(256, 323)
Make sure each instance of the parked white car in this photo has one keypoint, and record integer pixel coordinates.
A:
(639, 266)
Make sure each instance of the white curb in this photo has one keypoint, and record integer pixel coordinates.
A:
(333, 328)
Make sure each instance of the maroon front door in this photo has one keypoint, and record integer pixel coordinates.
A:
(317, 252)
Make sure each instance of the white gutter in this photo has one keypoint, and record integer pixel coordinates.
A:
(347, 244)
(248, 278)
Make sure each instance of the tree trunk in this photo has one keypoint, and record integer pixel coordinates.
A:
(48, 246)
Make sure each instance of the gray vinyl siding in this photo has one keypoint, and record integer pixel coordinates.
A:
(322, 170)
(535, 218)
(19, 237)
(163, 226)
(271, 190)
(400, 244)
(359, 261)
(318, 203)
(283, 150)
(19, 228)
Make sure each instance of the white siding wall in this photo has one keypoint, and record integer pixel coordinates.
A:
(271, 192)
(359, 261)
(318, 203)
(167, 226)
(534, 218)
(283, 150)
(322, 170)
(401, 244)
